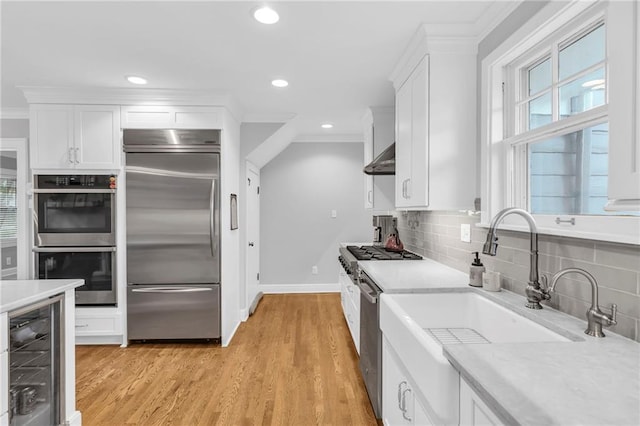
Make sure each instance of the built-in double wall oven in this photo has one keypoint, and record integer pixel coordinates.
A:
(75, 233)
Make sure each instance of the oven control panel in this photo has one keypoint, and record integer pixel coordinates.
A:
(76, 181)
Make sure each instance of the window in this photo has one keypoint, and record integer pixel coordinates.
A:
(565, 170)
(545, 118)
(8, 208)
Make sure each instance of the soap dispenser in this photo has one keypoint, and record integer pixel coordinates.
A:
(475, 272)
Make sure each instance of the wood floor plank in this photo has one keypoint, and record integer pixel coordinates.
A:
(292, 363)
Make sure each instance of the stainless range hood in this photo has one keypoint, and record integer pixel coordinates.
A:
(383, 164)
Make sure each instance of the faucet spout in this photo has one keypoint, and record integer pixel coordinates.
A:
(595, 317)
(533, 290)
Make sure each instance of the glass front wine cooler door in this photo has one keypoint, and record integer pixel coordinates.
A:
(34, 364)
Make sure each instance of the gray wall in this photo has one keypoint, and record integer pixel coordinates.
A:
(299, 188)
(10, 128)
(616, 267)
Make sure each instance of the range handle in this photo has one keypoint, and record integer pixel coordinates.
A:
(171, 290)
(368, 289)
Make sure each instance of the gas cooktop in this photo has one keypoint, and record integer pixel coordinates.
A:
(380, 253)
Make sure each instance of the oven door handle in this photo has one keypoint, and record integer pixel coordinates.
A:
(171, 290)
(74, 191)
(368, 293)
(74, 249)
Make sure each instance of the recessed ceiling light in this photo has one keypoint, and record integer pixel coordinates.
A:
(592, 83)
(266, 15)
(134, 79)
(327, 126)
(280, 83)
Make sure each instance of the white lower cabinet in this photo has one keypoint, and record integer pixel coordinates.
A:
(401, 405)
(98, 325)
(350, 298)
(473, 411)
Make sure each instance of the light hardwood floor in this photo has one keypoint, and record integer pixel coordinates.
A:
(291, 363)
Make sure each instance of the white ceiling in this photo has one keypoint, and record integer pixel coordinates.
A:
(336, 55)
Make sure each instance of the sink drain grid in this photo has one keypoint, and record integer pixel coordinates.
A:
(455, 336)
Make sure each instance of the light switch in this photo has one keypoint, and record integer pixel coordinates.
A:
(334, 213)
(465, 232)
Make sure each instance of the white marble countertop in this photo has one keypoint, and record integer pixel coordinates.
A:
(409, 276)
(19, 293)
(586, 381)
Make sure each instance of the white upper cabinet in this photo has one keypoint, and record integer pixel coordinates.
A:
(75, 137)
(436, 136)
(170, 117)
(623, 38)
(379, 133)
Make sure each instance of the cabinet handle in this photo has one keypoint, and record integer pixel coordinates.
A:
(82, 325)
(409, 188)
(404, 404)
(400, 393)
(405, 188)
(77, 150)
(70, 153)
(370, 197)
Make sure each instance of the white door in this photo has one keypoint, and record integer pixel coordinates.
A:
(253, 233)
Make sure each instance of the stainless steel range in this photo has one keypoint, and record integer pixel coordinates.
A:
(370, 334)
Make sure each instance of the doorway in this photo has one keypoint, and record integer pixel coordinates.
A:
(14, 234)
(253, 236)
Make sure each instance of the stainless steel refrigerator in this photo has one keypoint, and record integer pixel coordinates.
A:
(173, 233)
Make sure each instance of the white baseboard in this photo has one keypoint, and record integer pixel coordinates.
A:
(244, 314)
(75, 419)
(299, 288)
(225, 340)
(99, 340)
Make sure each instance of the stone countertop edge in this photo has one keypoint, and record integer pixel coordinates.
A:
(16, 294)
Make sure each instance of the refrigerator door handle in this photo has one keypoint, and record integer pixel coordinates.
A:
(212, 223)
(171, 290)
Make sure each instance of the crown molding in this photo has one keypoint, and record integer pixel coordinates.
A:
(129, 96)
(342, 138)
(10, 113)
(267, 118)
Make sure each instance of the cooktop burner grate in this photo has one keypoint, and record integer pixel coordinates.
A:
(380, 253)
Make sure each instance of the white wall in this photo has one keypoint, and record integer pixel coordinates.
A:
(299, 189)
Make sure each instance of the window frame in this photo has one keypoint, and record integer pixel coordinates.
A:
(502, 182)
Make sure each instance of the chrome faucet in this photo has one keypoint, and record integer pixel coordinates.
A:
(595, 317)
(533, 291)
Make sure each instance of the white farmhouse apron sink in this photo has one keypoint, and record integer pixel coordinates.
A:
(417, 325)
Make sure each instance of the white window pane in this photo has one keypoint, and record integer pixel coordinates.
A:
(539, 111)
(582, 53)
(539, 77)
(568, 174)
(582, 94)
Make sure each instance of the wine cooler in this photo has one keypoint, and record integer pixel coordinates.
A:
(35, 360)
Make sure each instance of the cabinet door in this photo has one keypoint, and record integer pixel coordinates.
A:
(368, 157)
(403, 144)
(412, 139)
(473, 411)
(397, 394)
(97, 136)
(51, 135)
(418, 189)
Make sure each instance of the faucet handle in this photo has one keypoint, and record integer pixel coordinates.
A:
(614, 313)
(544, 287)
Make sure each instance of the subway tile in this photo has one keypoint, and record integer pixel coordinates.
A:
(619, 279)
(618, 255)
(548, 264)
(628, 304)
(569, 248)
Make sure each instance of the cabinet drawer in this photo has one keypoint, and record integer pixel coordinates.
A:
(4, 336)
(96, 326)
(4, 381)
